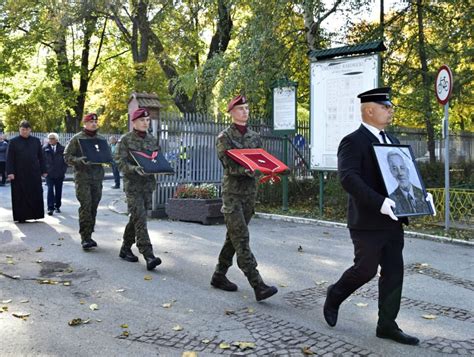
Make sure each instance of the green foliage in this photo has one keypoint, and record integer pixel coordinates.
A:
(203, 191)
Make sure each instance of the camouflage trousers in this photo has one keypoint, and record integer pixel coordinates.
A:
(238, 210)
(88, 194)
(136, 230)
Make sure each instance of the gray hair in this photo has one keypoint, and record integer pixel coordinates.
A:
(54, 135)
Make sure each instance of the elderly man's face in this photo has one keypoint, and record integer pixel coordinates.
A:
(52, 140)
(25, 132)
(399, 170)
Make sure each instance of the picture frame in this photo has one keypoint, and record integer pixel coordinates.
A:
(402, 179)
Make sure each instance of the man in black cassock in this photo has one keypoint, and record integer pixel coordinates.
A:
(25, 166)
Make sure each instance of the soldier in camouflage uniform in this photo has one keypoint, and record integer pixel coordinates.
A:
(88, 180)
(239, 187)
(138, 188)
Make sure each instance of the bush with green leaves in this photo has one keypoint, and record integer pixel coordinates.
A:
(203, 191)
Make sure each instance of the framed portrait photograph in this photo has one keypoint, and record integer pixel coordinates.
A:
(402, 179)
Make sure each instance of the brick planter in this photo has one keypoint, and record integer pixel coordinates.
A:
(195, 210)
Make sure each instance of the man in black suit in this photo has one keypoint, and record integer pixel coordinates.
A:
(377, 234)
(56, 168)
(407, 197)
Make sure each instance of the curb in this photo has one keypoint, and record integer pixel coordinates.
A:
(318, 222)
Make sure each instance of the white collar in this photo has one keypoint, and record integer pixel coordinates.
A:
(376, 132)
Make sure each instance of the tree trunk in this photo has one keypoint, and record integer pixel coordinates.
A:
(427, 82)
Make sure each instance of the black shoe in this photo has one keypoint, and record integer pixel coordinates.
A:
(88, 244)
(58, 210)
(397, 335)
(151, 261)
(263, 291)
(330, 312)
(50, 212)
(220, 281)
(115, 187)
(127, 254)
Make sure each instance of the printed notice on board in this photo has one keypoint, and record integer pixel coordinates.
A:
(284, 112)
(335, 108)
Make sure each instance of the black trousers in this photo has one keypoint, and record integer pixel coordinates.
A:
(373, 249)
(3, 173)
(55, 191)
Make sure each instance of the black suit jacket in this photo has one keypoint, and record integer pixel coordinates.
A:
(361, 179)
(55, 164)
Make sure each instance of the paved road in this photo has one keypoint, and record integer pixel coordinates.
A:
(439, 284)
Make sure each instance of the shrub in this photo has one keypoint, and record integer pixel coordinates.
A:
(204, 191)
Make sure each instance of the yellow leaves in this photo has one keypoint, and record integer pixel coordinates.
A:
(361, 304)
(166, 305)
(206, 341)
(93, 307)
(243, 345)
(178, 328)
(48, 282)
(125, 333)
(124, 325)
(321, 282)
(429, 316)
(6, 301)
(307, 351)
(77, 321)
(4, 308)
(250, 310)
(21, 315)
(189, 354)
(67, 283)
(39, 250)
(224, 346)
(147, 277)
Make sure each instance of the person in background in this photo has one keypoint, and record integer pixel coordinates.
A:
(115, 169)
(87, 178)
(56, 167)
(3, 159)
(25, 168)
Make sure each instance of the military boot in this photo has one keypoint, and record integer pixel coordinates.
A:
(127, 254)
(151, 261)
(220, 281)
(263, 291)
(88, 243)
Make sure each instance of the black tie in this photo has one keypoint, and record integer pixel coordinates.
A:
(383, 137)
(411, 200)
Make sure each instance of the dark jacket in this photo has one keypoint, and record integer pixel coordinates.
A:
(361, 179)
(3, 150)
(55, 165)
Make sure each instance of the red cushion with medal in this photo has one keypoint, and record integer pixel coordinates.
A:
(258, 159)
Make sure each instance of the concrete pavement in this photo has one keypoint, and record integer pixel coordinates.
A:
(173, 309)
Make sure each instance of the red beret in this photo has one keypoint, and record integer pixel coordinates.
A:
(89, 117)
(240, 99)
(140, 112)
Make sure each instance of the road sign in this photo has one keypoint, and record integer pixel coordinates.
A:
(444, 84)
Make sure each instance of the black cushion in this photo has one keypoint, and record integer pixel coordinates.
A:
(152, 162)
(97, 151)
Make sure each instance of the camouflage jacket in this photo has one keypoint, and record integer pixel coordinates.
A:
(132, 181)
(73, 154)
(236, 180)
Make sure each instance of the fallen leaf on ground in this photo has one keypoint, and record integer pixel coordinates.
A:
(147, 277)
(93, 307)
(67, 283)
(429, 317)
(224, 346)
(39, 261)
(16, 277)
(321, 282)
(82, 302)
(10, 262)
(21, 315)
(124, 326)
(5, 308)
(251, 310)
(229, 312)
(361, 304)
(206, 341)
(39, 250)
(125, 333)
(98, 320)
(189, 354)
(166, 305)
(190, 310)
(178, 328)
(8, 256)
(119, 290)
(281, 285)
(24, 301)
(244, 345)
(300, 249)
(48, 282)
(307, 351)
(6, 301)
(75, 322)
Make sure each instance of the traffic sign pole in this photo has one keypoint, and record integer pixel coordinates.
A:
(443, 90)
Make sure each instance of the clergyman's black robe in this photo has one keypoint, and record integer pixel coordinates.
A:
(25, 161)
